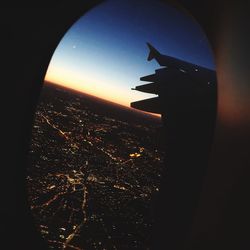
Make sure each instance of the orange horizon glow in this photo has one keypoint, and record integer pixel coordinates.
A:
(75, 82)
(77, 87)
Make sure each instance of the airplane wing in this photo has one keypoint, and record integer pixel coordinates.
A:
(195, 71)
(153, 52)
(149, 105)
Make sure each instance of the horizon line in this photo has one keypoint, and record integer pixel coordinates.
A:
(154, 115)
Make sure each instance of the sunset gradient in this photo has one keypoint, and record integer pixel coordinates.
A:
(105, 53)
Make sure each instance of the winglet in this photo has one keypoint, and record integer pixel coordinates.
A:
(153, 53)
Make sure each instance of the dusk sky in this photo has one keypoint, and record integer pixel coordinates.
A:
(105, 53)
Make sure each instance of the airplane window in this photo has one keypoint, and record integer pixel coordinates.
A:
(97, 155)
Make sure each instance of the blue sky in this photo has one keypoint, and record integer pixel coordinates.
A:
(105, 53)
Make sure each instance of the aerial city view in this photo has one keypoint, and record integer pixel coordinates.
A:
(96, 153)
(94, 170)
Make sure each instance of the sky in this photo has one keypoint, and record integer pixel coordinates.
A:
(105, 53)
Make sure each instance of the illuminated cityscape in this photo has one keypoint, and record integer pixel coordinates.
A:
(94, 170)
